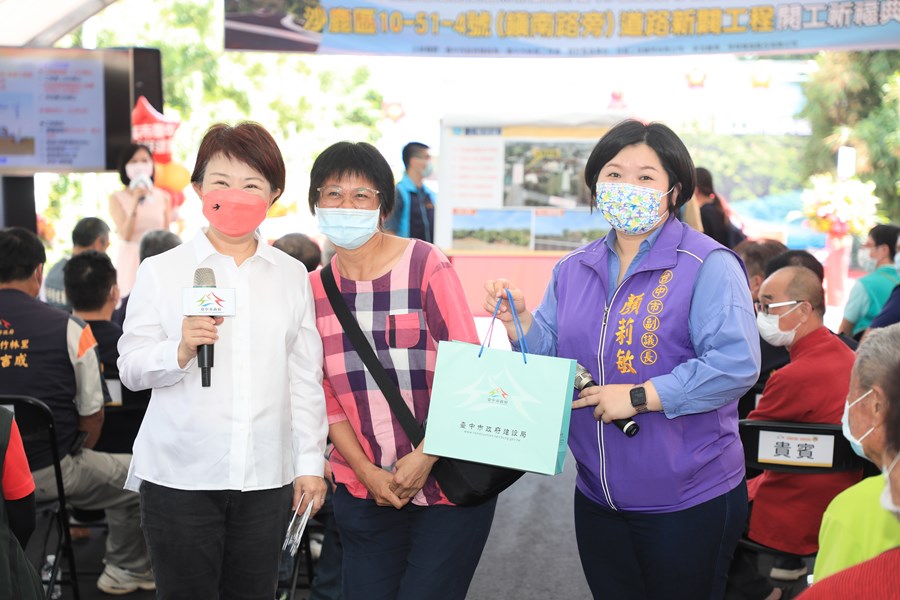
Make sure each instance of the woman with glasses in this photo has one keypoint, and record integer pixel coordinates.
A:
(402, 538)
(662, 318)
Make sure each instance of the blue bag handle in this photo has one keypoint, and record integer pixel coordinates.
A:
(523, 346)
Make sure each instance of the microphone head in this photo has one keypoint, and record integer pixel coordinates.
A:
(204, 277)
(583, 378)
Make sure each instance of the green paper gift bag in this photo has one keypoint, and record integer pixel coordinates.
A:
(499, 407)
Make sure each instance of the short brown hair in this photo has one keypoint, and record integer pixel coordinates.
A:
(247, 142)
(756, 254)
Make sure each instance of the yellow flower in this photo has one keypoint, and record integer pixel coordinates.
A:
(839, 207)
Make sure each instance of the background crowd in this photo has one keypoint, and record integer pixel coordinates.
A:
(686, 326)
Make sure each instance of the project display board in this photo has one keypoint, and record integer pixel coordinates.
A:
(63, 110)
(518, 187)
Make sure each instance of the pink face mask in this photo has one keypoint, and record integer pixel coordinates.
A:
(235, 213)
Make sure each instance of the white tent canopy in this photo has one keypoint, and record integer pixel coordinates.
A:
(40, 23)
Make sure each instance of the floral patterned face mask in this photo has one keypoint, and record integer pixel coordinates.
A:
(630, 209)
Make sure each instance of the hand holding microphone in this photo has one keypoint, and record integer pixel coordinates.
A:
(143, 183)
(584, 380)
(205, 278)
(204, 306)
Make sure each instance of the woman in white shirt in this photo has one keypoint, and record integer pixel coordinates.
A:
(215, 465)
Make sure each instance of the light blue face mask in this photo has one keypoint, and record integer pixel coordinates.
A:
(897, 260)
(856, 444)
(428, 170)
(348, 228)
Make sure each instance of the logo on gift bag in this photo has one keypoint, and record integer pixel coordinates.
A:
(498, 396)
(509, 395)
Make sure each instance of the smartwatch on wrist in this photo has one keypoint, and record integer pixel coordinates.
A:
(638, 398)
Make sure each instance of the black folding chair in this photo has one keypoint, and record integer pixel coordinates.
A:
(36, 423)
(761, 435)
(307, 561)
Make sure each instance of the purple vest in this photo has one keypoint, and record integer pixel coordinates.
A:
(672, 464)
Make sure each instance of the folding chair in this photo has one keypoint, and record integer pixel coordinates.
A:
(307, 561)
(36, 423)
(806, 448)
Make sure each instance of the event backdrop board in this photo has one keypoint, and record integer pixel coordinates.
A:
(560, 28)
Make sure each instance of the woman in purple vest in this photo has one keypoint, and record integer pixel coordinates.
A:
(662, 318)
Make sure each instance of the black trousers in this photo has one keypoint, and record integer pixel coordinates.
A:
(214, 544)
(681, 555)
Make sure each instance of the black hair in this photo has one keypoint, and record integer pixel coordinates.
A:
(126, 155)
(796, 258)
(89, 230)
(672, 153)
(21, 252)
(156, 242)
(411, 150)
(885, 235)
(353, 158)
(88, 278)
(302, 248)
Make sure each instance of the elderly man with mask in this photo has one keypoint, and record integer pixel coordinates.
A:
(878, 577)
(787, 507)
(852, 531)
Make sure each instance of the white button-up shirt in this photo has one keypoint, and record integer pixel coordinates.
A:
(262, 422)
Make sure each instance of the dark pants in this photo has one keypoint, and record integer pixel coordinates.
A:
(327, 583)
(214, 544)
(409, 554)
(684, 554)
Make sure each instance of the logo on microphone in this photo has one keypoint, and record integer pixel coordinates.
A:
(210, 303)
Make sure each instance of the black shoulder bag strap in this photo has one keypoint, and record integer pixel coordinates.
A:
(362, 346)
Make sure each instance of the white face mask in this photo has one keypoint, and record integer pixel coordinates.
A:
(897, 260)
(856, 444)
(887, 498)
(866, 262)
(136, 169)
(770, 332)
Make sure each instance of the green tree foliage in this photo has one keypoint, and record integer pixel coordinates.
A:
(746, 167)
(513, 237)
(204, 83)
(307, 102)
(854, 99)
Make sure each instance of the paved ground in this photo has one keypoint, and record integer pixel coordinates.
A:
(530, 555)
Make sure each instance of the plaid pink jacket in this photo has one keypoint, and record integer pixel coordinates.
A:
(404, 314)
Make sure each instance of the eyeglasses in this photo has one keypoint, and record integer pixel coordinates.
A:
(764, 308)
(333, 196)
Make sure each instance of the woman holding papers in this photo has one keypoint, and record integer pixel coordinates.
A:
(402, 538)
(218, 460)
(661, 316)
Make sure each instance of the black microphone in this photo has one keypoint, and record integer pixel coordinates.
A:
(203, 278)
(584, 380)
